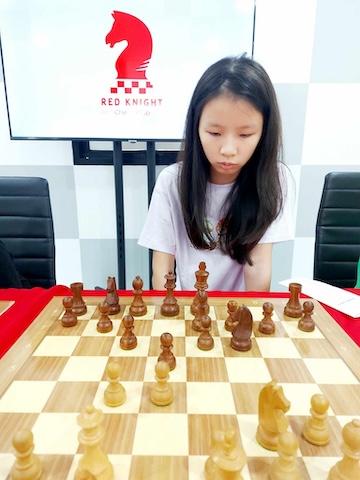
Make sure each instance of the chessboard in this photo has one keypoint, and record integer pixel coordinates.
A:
(52, 373)
(4, 305)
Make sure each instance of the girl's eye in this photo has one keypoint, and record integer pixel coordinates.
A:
(214, 134)
(245, 135)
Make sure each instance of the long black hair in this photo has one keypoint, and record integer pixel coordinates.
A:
(256, 197)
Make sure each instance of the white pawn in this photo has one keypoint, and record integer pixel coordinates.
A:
(162, 393)
(316, 429)
(115, 393)
(349, 467)
(285, 467)
(27, 465)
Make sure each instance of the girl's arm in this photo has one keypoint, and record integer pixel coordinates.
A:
(162, 263)
(258, 276)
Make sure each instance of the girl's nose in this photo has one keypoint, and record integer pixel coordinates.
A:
(228, 148)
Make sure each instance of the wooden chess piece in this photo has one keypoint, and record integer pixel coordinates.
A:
(202, 308)
(138, 306)
(69, 319)
(27, 465)
(231, 321)
(104, 324)
(267, 326)
(285, 467)
(162, 393)
(272, 419)
(115, 393)
(241, 335)
(316, 429)
(348, 468)
(128, 341)
(166, 346)
(306, 322)
(84, 475)
(293, 308)
(200, 285)
(92, 431)
(79, 306)
(112, 297)
(227, 457)
(205, 340)
(170, 307)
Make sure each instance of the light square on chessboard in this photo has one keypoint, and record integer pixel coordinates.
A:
(6, 463)
(84, 369)
(299, 396)
(175, 327)
(210, 398)
(54, 346)
(173, 439)
(294, 331)
(149, 315)
(91, 330)
(319, 467)
(330, 371)
(56, 433)
(17, 398)
(277, 347)
(247, 370)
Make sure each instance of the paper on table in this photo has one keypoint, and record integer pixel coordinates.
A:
(335, 297)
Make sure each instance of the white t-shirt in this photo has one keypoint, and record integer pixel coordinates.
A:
(165, 231)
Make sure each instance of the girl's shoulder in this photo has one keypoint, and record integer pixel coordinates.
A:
(169, 174)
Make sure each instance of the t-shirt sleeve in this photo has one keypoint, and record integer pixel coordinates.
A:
(158, 231)
(282, 229)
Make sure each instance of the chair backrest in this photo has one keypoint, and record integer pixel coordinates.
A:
(337, 237)
(26, 228)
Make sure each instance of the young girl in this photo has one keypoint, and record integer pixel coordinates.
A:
(223, 202)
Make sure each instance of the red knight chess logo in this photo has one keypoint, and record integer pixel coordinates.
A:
(134, 60)
(132, 93)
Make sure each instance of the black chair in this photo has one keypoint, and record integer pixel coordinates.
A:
(337, 237)
(26, 228)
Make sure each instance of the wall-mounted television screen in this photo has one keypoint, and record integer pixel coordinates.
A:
(108, 70)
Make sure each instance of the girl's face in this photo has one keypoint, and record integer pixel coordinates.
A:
(229, 129)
